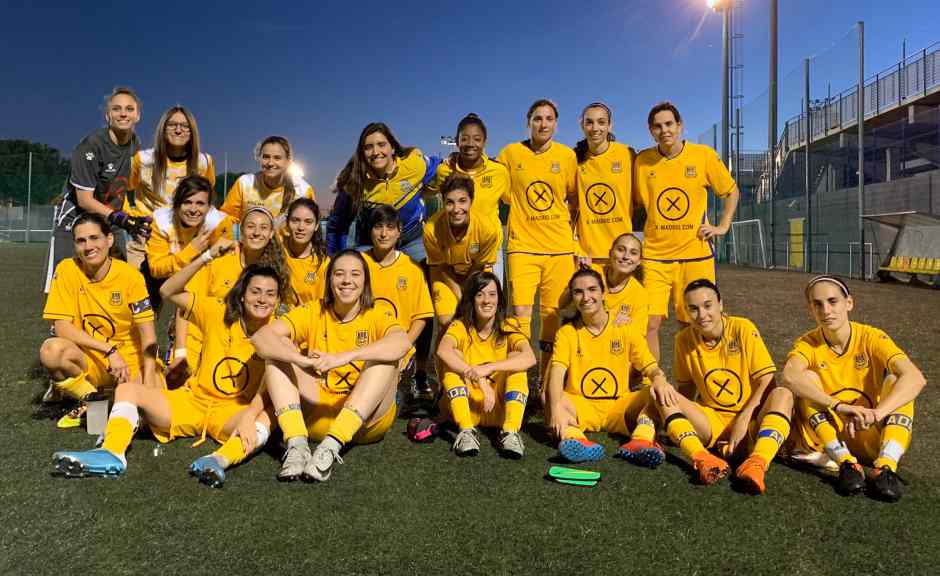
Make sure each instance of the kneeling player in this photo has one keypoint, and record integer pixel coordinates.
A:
(222, 400)
(727, 361)
(486, 357)
(348, 379)
(588, 382)
(101, 318)
(855, 389)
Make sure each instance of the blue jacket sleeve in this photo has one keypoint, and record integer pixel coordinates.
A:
(337, 225)
(432, 163)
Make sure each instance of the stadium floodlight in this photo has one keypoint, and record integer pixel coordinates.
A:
(296, 170)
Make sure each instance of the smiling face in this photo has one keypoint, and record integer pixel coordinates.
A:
(829, 306)
(485, 303)
(596, 126)
(542, 124)
(192, 212)
(92, 246)
(379, 154)
(260, 299)
(347, 280)
(704, 309)
(588, 295)
(625, 254)
(274, 160)
(470, 143)
(123, 113)
(256, 231)
(666, 131)
(457, 204)
(302, 223)
(177, 130)
(385, 236)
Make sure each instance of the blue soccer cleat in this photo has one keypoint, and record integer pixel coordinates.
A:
(97, 462)
(208, 471)
(580, 450)
(642, 453)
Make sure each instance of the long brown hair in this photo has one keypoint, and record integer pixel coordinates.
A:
(352, 177)
(466, 310)
(286, 179)
(154, 195)
(234, 307)
(366, 299)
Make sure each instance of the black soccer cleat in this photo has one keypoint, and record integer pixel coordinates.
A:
(885, 485)
(851, 479)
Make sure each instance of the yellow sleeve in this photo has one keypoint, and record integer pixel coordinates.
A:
(223, 230)
(198, 285)
(680, 366)
(62, 302)
(310, 192)
(384, 319)
(141, 309)
(299, 320)
(506, 161)
(423, 307)
(210, 170)
(640, 356)
(562, 350)
(571, 182)
(717, 173)
(233, 202)
(803, 349)
(760, 361)
(161, 262)
(458, 334)
(431, 246)
(196, 311)
(883, 348)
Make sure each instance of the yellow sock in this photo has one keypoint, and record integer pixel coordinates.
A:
(525, 326)
(821, 423)
(645, 428)
(572, 432)
(118, 435)
(75, 387)
(459, 403)
(231, 452)
(895, 438)
(774, 429)
(683, 434)
(345, 426)
(291, 421)
(517, 394)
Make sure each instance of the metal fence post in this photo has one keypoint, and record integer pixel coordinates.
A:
(29, 194)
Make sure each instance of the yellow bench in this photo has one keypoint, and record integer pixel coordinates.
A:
(909, 265)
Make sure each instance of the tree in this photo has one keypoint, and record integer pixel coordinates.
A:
(49, 172)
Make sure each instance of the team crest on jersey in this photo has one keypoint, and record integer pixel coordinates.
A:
(616, 167)
(362, 337)
(402, 283)
(733, 347)
(310, 278)
(690, 172)
(110, 167)
(486, 181)
(116, 299)
(474, 247)
(556, 167)
(861, 361)
(616, 346)
(406, 186)
(89, 156)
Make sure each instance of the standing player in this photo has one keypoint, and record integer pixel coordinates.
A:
(605, 183)
(541, 242)
(398, 281)
(588, 382)
(156, 172)
(672, 181)
(304, 252)
(855, 388)
(381, 172)
(458, 243)
(98, 175)
(274, 187)
(486, 357)
(346, 380)
(101, 318)
(490, 178)
(738, 413)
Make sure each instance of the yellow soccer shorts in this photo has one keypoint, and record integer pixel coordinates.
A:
(615, 416)
(665, 279)
(318, 418)
(191, 417)
(496, 417)
(444, 300)
(96, 371)
(546, 274)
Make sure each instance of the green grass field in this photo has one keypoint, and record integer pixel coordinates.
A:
(398, 508)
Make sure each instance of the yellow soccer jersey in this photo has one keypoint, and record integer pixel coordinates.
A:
(477, 350)
(403, 287)
(856, 375)
(168, 249)
(675, 194)
(490, 184)
(228, 366)
(107, 310)
(249, 190)
(216, 278)
(599, 366)
(313, 327)
(399, 188)
(307, 277)
(633, 299)
(478, 246)
(146, 199)
(724, 375)
(605, 184)
(539, 222)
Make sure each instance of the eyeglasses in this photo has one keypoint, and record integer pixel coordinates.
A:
(173, 126)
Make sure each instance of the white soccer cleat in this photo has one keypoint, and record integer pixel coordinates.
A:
(817, 459)
(320, 465)
(294, 462)
(466, 443)
(511, 445)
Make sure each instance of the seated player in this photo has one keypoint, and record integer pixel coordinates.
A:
(346, 380)
(739, 413)
(486, 357)
(398, 281)
(101, 318)
(304, 252)
(458, 242)
(222, 400)
(588, 381)
(855, 390)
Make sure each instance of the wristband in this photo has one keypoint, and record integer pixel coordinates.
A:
(207, 256)
(179, 353)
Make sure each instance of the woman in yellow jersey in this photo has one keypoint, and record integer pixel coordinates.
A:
(541, 252)
(273, 187)
(605, 184)
(738, 412)
(156, 172)
(490, 178)
(101, 319)
(486, 357)
(257, 245)
(458, 243)
(588, 384)
(398, 281)
(304, 252)
(346, 381)
(223, 400)
(855, 389)
(381, 171)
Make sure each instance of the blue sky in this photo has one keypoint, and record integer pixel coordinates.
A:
(317, 72)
